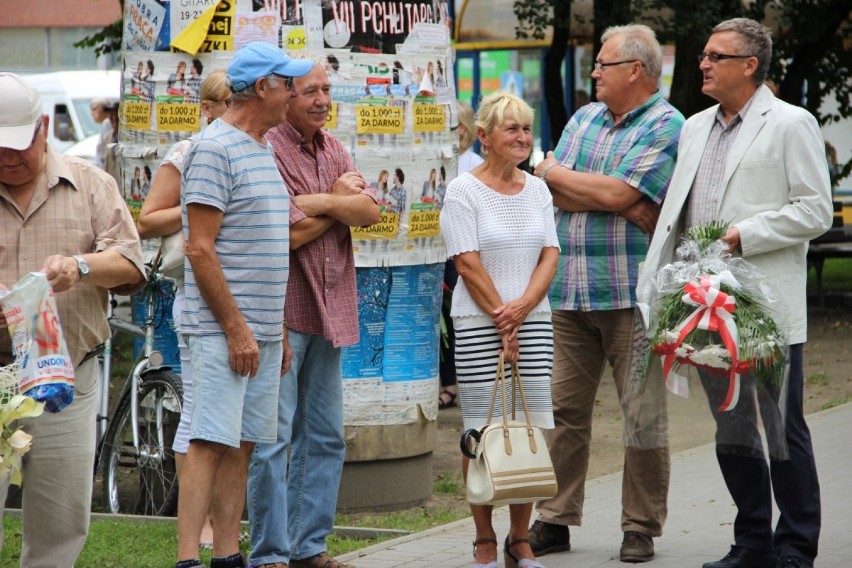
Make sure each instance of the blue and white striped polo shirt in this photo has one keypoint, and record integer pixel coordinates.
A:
(232, 172)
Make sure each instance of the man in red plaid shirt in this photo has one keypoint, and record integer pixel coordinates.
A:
(292, 509)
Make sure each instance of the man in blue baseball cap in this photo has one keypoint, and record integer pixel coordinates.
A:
(258, 59)
(236, 281)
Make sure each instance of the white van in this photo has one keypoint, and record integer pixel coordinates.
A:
(66, 97)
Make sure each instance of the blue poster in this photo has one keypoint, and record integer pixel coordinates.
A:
(398, 313)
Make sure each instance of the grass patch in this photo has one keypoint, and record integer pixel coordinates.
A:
(410, 520)
(111, 544)
(448, 483)
(121, 543)
(838, 402)
(818, 379)
(836, 276)
(131, 544)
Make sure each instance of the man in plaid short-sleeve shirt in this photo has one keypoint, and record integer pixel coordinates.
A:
(608, 176)
(292, 508)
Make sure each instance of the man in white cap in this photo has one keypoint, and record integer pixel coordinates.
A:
(235, 211)
(64, 217)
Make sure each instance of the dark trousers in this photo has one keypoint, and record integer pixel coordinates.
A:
(752, 481)
(448, 347)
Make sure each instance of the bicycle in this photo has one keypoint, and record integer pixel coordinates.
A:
(135, 444)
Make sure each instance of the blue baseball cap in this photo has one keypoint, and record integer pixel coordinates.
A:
(259, 59)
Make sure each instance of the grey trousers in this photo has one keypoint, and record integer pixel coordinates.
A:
(57, 486)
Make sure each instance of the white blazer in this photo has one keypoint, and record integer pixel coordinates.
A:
(776, 191)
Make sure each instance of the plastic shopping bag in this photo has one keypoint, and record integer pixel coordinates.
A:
(47, 372)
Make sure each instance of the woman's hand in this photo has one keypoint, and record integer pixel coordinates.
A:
(509, 317)
(511, 350)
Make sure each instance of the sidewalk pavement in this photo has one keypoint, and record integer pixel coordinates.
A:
(698, 529)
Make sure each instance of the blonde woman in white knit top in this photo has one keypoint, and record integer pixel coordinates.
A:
(498, 226)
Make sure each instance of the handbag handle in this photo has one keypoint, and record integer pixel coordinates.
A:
(516, 380)
(500, 383)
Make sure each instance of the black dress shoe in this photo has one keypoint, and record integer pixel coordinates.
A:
(547, 537)
(794, 562)
(740, 557)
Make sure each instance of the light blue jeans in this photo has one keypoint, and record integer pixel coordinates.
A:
(291, 519)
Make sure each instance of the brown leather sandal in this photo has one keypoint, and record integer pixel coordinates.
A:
(512, 562)
(493, 563)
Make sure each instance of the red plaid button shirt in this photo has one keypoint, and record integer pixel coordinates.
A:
(321, 292)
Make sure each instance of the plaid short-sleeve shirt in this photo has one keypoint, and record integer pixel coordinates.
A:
(601, 251)
(76, 209)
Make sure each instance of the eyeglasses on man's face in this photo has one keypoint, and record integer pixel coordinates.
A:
(717, 57)
(288, 81)
(600, 65)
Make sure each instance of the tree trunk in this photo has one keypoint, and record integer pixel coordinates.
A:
(811, 48)
(554, 94)
(608, 13)
(686, 95)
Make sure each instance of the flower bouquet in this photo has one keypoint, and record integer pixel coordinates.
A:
(711, 314)
(14, 442)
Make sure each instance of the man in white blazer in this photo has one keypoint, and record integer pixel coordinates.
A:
(758, 163)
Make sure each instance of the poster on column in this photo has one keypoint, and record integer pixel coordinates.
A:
(144, 23)
(394, 367)
(218, 16)
(278, 22)
(161, 99)
(382, 112)
(137, 175)
(378, 27)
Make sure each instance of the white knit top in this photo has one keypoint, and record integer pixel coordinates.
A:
(508, 231)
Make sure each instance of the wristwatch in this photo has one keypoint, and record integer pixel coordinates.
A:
(82, 267)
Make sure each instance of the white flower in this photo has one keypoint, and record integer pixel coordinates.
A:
(684, 351)
(20, 442)
(670, 337)
(715, 356)
(760, 349)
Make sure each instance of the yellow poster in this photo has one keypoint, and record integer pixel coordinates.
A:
(386, 228)
(295, 39)
(424, 224)
(212, 30)
(137, 116)
(178, 117)
(429, 118)
(379, 120)
(331, 119)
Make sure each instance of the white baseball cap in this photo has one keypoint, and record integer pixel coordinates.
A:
(20, 110)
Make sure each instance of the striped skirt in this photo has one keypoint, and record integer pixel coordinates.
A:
(477, 353)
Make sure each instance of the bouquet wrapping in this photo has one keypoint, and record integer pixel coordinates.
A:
(712, 312)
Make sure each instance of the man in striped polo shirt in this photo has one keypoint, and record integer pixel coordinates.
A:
(234, 207)
(608, 176)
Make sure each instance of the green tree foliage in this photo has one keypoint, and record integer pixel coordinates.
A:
(811, 56)
(108, 40)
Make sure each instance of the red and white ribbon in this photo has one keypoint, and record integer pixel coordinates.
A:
(714, 312)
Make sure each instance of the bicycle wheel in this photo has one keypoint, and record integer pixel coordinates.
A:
(144, 481)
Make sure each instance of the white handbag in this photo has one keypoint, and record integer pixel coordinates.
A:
(510, 462)
(172, 255)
